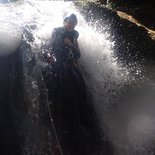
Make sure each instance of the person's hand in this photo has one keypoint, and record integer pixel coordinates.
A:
(68, 42)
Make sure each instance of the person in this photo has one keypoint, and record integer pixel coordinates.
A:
(64, 44)
(63, 56)
(67, 89)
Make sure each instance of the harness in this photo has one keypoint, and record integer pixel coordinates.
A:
(70, 51)
(63, 52)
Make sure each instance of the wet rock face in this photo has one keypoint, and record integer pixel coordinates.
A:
(132, 43)
(144, 11)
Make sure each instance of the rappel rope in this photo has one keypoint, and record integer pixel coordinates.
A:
(46, 94)
(50, 114)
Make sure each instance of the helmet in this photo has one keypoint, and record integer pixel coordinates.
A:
(71, 17)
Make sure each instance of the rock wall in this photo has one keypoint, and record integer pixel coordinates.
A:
(144, 11)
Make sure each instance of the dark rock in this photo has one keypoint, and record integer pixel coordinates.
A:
(143, 11)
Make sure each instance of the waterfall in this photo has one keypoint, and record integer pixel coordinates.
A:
(126, 120)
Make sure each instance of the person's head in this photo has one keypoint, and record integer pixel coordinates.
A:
(70, 22)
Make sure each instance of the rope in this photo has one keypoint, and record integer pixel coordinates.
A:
(50, 114)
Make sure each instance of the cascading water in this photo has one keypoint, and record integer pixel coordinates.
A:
(128, 123)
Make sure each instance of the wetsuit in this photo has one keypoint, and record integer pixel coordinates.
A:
(61, 51)
(65, 70)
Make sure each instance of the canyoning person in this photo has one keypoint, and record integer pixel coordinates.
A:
(63, 55)
(64, 43)
(70, 107)
(64, 79)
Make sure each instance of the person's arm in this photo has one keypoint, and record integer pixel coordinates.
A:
(76, 45)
